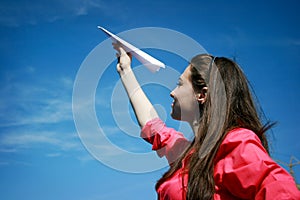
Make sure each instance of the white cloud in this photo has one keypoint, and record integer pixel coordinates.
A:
(289, 42)
(4, 163)
(35, 102)
(67, 82)
(30, 69)
(14, 162)
(8, 150)
(85, 158)
(23, 140)
(52, 155)
(84, 6)
(19, 140)
(240, 37)
(35, 114)
(14, 14)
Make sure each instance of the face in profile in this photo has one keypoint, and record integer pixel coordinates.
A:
(185, 106)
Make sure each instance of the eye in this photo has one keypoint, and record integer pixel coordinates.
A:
(179, 83)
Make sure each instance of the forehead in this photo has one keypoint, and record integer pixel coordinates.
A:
(187, 73)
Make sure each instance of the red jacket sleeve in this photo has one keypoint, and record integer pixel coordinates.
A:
(245, 170)
(166, 141)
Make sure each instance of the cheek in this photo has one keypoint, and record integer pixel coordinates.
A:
(186, 108)
(189, 94)
(188, 100)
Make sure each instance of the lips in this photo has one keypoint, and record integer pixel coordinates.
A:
(172, 104)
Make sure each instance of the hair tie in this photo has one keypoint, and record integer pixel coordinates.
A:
(213, 58)
(212, 61)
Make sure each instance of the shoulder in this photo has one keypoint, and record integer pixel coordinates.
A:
(242, 143)
(245, 169)
(239, 137)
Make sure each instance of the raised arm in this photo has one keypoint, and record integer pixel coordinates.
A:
(143, 109)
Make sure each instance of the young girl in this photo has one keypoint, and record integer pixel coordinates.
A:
(228, 157)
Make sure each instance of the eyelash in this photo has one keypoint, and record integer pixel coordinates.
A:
(179, 83)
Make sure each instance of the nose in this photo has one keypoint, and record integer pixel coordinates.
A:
(172, 94)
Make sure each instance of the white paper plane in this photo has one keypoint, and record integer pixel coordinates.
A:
(151, 63)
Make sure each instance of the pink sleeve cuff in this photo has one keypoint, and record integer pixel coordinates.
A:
(166, 141)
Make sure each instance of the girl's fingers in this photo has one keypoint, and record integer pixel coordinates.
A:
(122, 51)
(118, 56)
(116, 46)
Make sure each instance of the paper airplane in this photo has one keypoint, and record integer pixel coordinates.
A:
(151, 63)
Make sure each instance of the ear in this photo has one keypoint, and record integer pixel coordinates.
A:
(201, 97)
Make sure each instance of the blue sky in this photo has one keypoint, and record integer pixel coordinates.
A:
(43, 45)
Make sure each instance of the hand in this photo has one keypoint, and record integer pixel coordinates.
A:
(124, 58)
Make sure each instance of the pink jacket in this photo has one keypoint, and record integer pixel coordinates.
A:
(243, 169)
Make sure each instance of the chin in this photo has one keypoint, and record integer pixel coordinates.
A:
(176, 116)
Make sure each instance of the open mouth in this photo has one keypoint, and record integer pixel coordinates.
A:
(173, 103)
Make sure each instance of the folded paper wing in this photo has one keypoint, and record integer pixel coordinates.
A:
(151, 63)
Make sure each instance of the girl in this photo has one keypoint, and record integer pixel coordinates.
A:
(228, 157)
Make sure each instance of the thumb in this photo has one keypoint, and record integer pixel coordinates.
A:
(122, 50)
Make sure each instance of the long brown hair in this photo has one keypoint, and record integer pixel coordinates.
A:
(229, 104)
